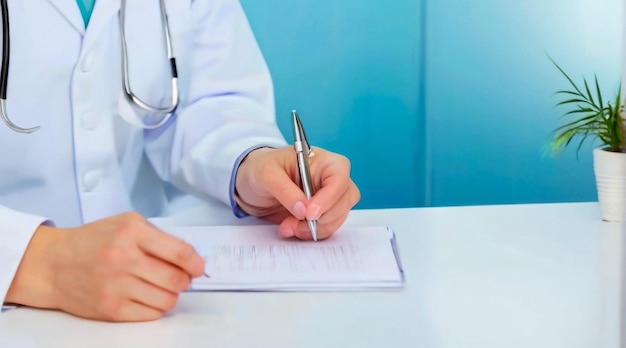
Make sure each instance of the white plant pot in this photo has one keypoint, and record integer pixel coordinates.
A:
(610, 171)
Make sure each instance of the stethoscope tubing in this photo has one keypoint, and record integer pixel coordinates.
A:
(4, 72)
(133, 98)
(167, 111)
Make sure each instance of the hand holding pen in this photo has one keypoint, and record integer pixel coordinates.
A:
(268, 184)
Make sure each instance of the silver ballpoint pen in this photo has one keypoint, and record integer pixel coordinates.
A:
(303, 152)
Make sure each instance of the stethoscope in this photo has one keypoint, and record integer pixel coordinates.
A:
(128, 93)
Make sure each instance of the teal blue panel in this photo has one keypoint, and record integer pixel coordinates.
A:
(489, 95)
(86, 8)
(352, 70)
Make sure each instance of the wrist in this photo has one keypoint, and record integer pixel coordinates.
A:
(32, 283)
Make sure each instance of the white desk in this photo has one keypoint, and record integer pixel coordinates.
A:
(493, 276)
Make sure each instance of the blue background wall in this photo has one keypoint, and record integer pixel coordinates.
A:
(440, 102)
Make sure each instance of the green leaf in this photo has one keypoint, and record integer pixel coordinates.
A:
(589, 92)
(566, 76)
(581, 110)
(579, 122)
(598, 91)
(569, 101)
(569, 92)
(580, 144)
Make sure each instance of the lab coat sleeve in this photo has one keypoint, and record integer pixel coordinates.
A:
(16, 231)
(228, 104)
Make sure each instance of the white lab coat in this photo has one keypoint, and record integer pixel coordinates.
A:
(86, 162)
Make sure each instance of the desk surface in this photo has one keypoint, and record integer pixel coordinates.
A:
(540, 275)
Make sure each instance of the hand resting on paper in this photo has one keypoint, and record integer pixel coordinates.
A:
(116, 269)
(267, 186)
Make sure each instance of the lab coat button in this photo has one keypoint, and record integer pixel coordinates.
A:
(91, 180)
(87, 62)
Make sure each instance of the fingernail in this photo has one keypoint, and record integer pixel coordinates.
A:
(313, 213)
(299, 210)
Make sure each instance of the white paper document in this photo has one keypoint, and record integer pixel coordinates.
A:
(254, 258)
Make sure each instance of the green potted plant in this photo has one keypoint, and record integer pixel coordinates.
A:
(592, 116)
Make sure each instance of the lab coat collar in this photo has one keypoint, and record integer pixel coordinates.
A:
(102, 13)
(69, 10)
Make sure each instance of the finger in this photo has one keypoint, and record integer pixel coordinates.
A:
(173, 250)
(119, 304)
(328, 224)
(152, 296)
(332, 219)
(335, 183)
(324, 230)
(341, 208)
(131, 311)
(288, 227)
(162, 274)
(278, 217)
(279, 185)
(331, 172)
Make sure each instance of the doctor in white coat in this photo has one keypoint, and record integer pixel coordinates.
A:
(74, 194)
